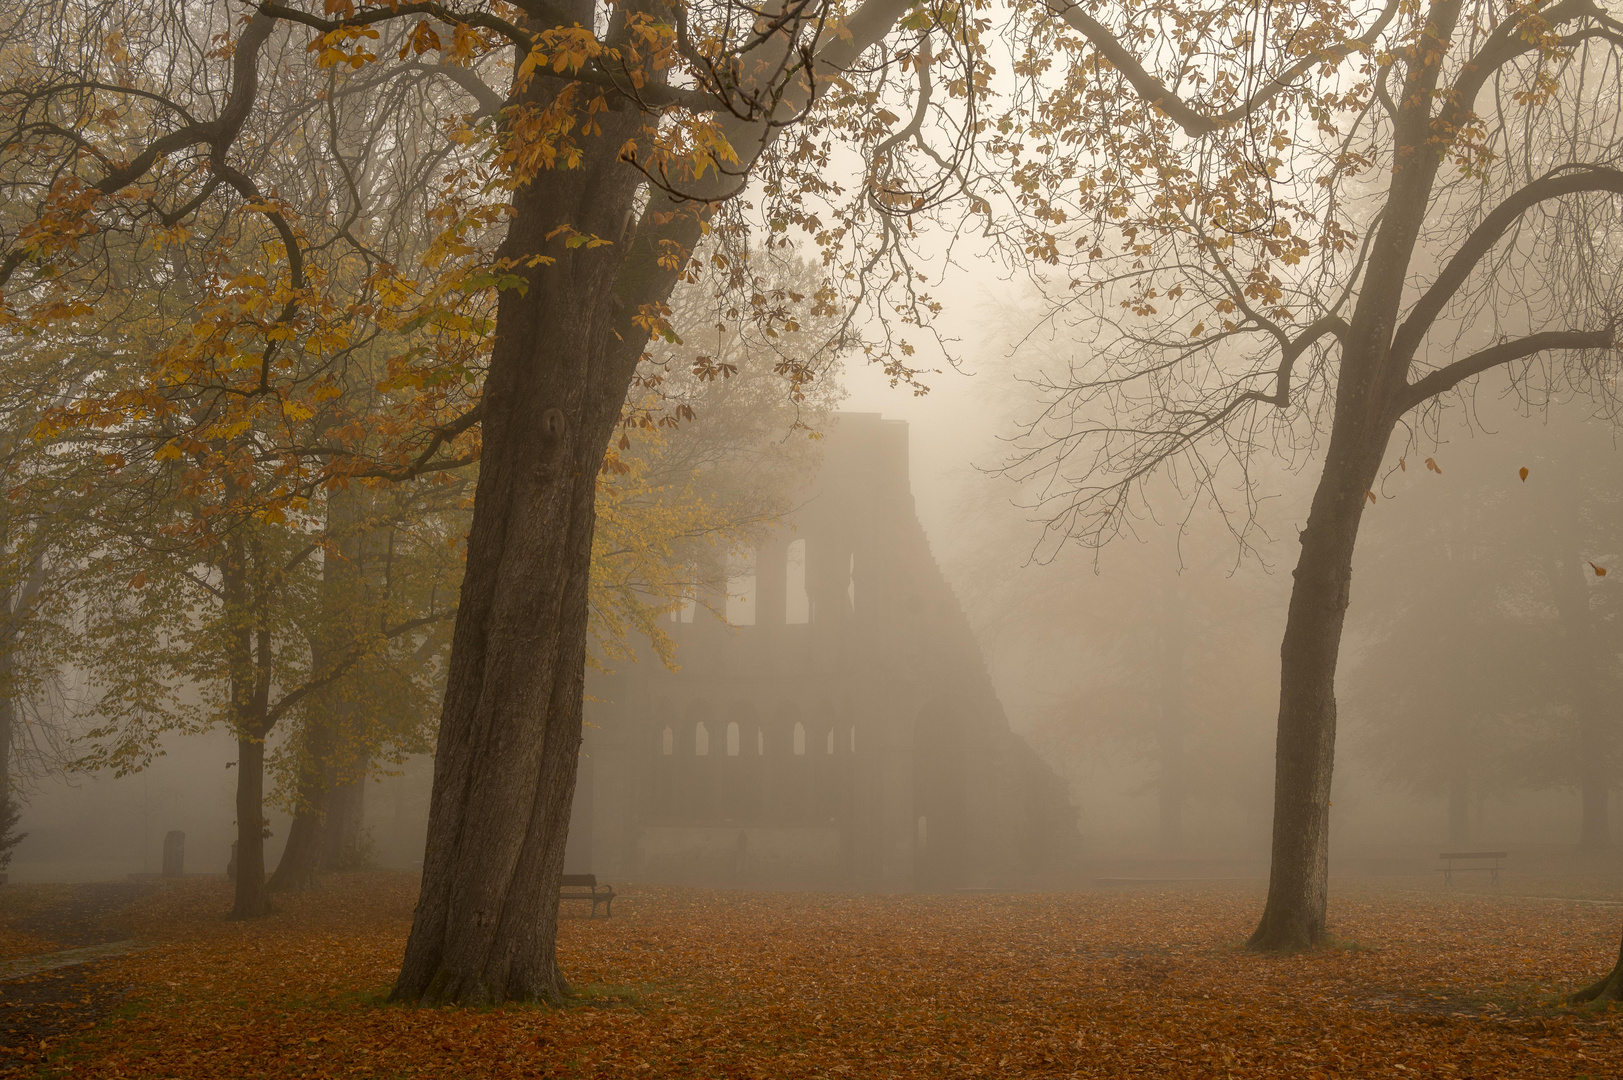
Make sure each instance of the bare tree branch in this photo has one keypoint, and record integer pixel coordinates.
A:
(1446, 378)
(1157, 93)
(1570, 180)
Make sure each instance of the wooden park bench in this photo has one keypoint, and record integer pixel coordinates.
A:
(1473, 859)
(585, 887)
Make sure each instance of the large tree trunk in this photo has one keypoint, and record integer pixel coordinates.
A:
(1368, 391)
(510, 729)
(1607, 988)
(245, 595)
(252, 900)
(564, 354)
(1299, 878)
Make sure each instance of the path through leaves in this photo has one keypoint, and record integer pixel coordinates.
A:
(695, 983)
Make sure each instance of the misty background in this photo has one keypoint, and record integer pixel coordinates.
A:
(1478, 689)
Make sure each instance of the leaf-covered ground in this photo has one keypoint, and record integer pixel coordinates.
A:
(694, 983)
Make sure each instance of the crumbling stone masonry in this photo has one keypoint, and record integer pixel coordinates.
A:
(847, 737)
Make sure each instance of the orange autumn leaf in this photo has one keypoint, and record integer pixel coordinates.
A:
(689, 982)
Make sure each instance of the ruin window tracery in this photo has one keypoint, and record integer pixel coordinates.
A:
(701, 740)
(732, 739)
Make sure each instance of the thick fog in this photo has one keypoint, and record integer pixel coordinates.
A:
(1481, 627)
(1477, 683)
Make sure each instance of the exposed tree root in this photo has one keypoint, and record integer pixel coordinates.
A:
(1608, 988)
(1276, 934)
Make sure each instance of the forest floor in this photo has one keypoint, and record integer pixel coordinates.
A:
(699, 983)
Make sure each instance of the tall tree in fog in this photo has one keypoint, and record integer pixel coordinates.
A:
(622, 134)
(1444, 205)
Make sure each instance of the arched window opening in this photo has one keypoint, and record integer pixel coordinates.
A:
(667, 743)
(800, 738)
(701, 739)
(851, 584)
(831, 740)
(741, 590)
(853, 740)
(924, 833)
(684, 613)
(760, 742)
(732, 740)
(796, 602)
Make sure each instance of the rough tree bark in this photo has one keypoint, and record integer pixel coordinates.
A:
(1369, 402)
(252, 900)
(248, 655)
(1298, 885)
(504, 771)
(564, 354)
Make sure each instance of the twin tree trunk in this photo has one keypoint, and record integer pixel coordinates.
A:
(564, 354)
